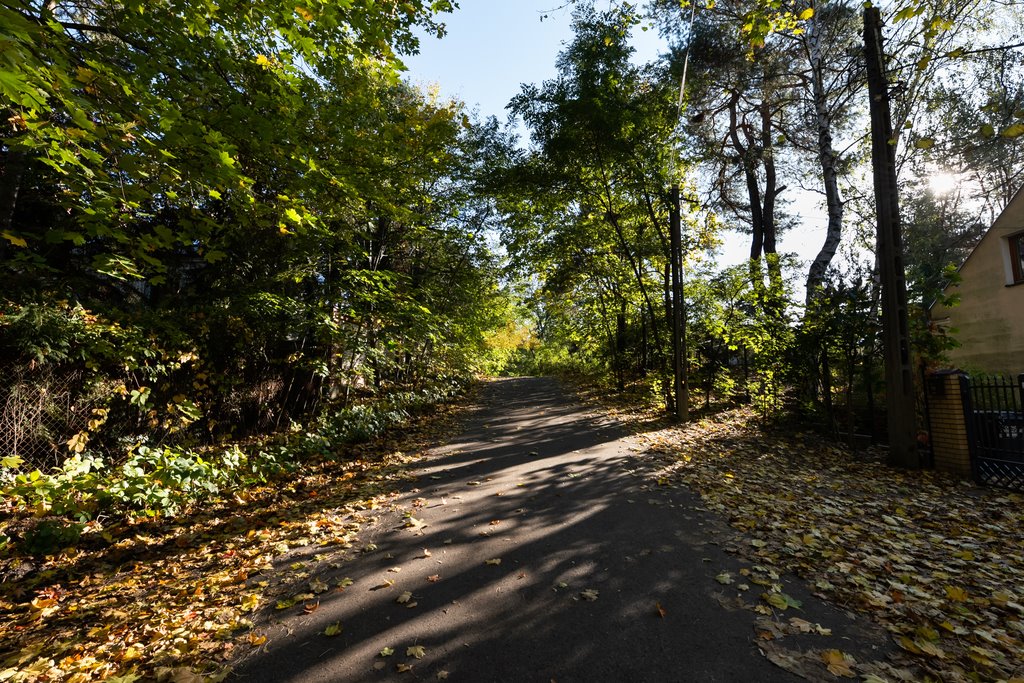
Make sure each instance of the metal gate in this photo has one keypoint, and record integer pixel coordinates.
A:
(994, 413)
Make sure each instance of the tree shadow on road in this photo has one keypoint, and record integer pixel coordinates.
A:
(603, 575)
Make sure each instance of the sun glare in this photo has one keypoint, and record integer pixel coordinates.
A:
(942, 182)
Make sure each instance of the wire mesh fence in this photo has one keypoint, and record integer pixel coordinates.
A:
(40, 410)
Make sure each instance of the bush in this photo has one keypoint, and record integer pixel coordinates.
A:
(163, 480)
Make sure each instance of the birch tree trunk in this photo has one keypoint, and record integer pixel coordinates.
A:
(827, 157)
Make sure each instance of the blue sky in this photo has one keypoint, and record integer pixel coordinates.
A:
(494, 46)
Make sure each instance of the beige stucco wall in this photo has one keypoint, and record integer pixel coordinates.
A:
(989, 322)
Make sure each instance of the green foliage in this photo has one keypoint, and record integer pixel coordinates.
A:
(51, 535)
(221, 223)
(163, 480)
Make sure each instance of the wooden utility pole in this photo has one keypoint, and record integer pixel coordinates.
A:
(899, 376)
(678, 310)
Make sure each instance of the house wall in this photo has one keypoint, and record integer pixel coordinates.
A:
(989, 322)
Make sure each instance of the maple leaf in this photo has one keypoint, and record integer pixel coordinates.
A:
(387, 652)
(404, 598)
(318, 586)
(250, 602)
(334, 629)
(416, 651)
(442, 675)
(839, 663)
(589, 594)
(956, 594)
(403, 668)
(724, 578)
(434, 578)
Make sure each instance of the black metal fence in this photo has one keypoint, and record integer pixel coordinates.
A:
(994, 411)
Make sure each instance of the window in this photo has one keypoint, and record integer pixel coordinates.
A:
(1017, 257)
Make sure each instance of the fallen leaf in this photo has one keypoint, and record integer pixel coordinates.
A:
(333, 630)
(403, 668)
(839, 663)
(659, 610)
(387, 652)
(589, 594)
(956, 594)
(250, 602)
(496, 561)
(781, 601)
(416, 651)
(434, 578)
(311, 607)
(724, 578)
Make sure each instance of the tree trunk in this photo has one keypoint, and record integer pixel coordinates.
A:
(828, 159)
(10, 185)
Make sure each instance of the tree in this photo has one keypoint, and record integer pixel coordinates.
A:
(603, 154)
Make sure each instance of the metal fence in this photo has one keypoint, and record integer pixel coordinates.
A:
(994, 411)
(40, 410)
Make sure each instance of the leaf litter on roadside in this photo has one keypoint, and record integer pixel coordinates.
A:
(935, 561)
(173, 599)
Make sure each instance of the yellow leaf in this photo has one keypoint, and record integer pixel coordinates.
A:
(416, 651)
(263, 61)
(956, 594)
(256, 640)
(333, 630)
(806, 14)
(387, 652)
(404, 598)
(496, 561)
(16, 241)
(250, 602)
(1014, 131)
(838, 663)
(304, 13)
(909, 645)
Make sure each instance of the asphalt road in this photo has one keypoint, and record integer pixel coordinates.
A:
(603, 575)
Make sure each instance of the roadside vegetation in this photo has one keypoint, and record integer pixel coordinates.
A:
(241, 257)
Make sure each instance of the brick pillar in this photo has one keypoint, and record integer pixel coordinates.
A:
(948, 425)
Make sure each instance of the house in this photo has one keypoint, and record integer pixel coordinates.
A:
(989, 322)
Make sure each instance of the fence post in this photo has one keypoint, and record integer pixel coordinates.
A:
(948, 428)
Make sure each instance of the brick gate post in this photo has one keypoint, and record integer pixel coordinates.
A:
(948, 431)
